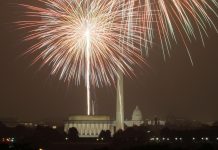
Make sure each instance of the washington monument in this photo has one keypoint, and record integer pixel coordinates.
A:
(120, 103)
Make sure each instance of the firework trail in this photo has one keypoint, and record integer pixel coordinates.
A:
(179, 20)
(96, 39)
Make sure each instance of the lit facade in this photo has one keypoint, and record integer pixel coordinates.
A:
(91, 126)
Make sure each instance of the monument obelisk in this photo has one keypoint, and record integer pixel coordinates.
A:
(120, 103)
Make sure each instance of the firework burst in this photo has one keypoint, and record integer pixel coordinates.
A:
(75, 35)
(84, 39)
(95, 40)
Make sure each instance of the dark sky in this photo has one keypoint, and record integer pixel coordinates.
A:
(173, 87)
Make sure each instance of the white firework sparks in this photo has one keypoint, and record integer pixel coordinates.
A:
(96, 39)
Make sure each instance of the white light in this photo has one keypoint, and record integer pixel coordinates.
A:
(180, 139)
(87, 37)
(66, 138)
(148, 131)
(87, 34)
(168, 139)
(217, 138)
(102, 138)
(206, 138)
(202, 138)
(193, 138)
(163, 138)
(157, 139)
(176, 139)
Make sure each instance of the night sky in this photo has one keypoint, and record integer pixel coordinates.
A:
(171, 87)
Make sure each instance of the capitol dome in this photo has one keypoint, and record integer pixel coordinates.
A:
(137, 114)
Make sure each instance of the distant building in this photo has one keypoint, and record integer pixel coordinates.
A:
(91, 126)
(9, 122)
(156, 122)
(137, 118)
(13, 122)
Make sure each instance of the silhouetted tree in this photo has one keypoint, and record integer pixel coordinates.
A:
(118, 136)
(215, 124)
(43, 136)
(106, 135)
(135, 134)
(73, 134)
